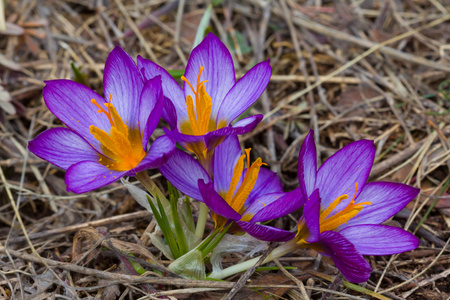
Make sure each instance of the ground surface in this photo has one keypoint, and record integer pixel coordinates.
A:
(330, 73)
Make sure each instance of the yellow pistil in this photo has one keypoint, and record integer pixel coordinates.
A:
(339, 218)
(122, 146)
(198, 110)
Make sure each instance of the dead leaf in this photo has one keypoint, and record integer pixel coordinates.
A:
(353, 95)
(5, 103)
(12, 29)
(9, 63)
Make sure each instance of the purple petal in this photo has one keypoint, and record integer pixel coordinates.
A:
(171, 88)
(386, 198)
(214, 138)
(266, 183)
(183, 172)
(307, 165)
(169, 113)
(275, 207)
(245, 92)
(225, 158)
(218, 65)
(122, 80)
(159, 153)
(86, 176)
(70, 102)
(311, 213)
(216, 203)
(380, 239)
(258, 206)
(151, 107)
(338, 175)
(62, 147)
(345, 256)
(266, 233)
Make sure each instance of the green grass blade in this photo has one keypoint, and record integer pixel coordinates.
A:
(179, 233)
(210, 247)
(203, 26)
(163, 223)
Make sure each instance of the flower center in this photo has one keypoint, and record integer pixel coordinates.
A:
(199, 112)
(340, 217)
(122, 147)
(236, 199)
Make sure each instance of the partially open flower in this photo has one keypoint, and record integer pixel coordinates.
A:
(342, 213)
(201, 113)
(106, 138)
(245, 195)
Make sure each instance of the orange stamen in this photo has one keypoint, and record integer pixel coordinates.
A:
(237, 200)
(199, 113)
(122, 147)
(350, 211)
(102, 110)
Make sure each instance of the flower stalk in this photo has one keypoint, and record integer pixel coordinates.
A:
(242, 267)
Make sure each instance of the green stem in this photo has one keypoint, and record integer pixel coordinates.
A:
(201, 222)
(152, 188)
(276, 253)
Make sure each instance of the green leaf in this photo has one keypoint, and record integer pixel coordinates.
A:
(176, 74)
(203, 26)
(79, 77)
(240, 39)
(163, 222)
(179, 232)
(190, 265)
(210, 247)
(136, 266)
(216, 2)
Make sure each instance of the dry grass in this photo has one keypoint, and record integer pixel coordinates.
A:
(350, 70)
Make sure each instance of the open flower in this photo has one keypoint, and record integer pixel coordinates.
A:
(342, 213)
(106, 138)
(245, 195)
(200, 114)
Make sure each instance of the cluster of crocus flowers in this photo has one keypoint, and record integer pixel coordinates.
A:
(237, 194)
(104, 139)
(201, 112)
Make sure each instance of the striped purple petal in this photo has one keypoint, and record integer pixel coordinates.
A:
(86, 176)
(183, 172)
(338, 175)
(122, 80)
(62, 147)
(386, 198)
(345, 256)
(245, 92)
(380, 239)
(307, 165)
(216, 203)
(266, 233)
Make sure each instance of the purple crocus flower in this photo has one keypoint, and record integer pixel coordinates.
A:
(106, 138)
(342, 213)
(201, 112)
(243, 195)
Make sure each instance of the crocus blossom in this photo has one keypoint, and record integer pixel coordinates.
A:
(105, 139)
(245, 195)
(343, 212)
(201, 112)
